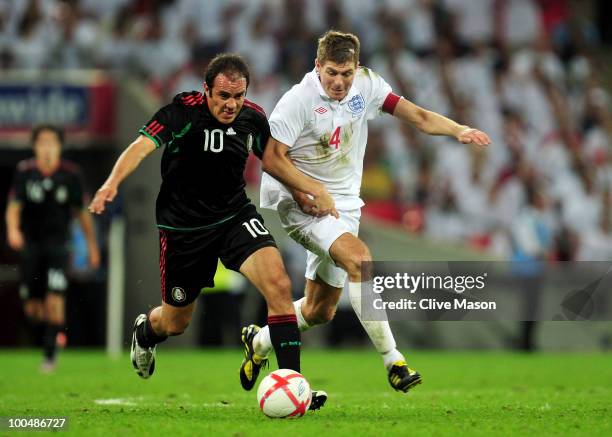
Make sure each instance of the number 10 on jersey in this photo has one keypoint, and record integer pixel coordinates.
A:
(255, 227)
(214, 139)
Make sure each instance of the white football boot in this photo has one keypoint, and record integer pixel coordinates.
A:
(143, 358)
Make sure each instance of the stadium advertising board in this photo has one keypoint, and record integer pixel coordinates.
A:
(85, 108)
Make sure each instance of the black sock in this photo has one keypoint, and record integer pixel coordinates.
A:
(286, 341)
(49, 341)
(37, 332)
(146, 336)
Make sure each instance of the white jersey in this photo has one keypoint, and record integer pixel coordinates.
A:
(326, 137)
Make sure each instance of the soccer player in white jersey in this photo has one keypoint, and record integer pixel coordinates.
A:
(320, 125)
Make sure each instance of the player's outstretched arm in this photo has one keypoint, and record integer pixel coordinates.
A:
(126, 164)
(433, 123)
(276, 162)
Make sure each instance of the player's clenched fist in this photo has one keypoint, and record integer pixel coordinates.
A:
(324, 203)
(106, 193)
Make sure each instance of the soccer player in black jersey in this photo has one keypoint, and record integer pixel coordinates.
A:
(45, 196)
(203, 212)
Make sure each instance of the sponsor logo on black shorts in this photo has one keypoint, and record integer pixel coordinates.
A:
(178, 294)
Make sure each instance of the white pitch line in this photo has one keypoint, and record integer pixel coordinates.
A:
(116, 401)
(130, 402)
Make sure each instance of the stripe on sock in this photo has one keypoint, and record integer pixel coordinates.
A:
(282, 319)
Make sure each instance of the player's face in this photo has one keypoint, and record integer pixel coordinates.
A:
(226, 97)
(47, 148)
(336, 79)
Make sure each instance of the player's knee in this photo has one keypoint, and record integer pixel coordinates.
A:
(177, 325)
(355, 264)
(55, 319)
(176, 329)
(34, 314)
(279, 286)
(283, 283)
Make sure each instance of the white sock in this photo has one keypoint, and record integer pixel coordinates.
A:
(391, 357)
(262, 343)
(302, 323)
(379, 331)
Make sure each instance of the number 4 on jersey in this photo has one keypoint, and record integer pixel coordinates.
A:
(335, 139)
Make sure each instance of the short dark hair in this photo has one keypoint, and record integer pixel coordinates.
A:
(338, 47)
(229, 64)
(50, 127)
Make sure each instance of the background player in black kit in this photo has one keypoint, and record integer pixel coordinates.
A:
(47, 193)
(203, 212)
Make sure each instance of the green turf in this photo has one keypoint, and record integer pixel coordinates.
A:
(198, 393)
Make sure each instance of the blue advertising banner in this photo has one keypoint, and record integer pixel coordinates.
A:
(86, 110)
(24, 105)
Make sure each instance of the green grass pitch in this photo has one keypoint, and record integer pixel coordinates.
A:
(198, 393)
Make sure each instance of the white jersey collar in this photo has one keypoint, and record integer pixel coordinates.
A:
(314, 77)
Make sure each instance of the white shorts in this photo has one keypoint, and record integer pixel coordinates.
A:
(317, 235)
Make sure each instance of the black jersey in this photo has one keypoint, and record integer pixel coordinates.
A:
(48, 201)
(203, 162)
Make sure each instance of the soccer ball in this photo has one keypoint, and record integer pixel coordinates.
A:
(284, 393)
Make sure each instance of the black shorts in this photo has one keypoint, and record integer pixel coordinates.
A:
(188, 259)
(43, 269)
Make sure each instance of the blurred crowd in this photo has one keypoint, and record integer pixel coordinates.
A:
(525, 71)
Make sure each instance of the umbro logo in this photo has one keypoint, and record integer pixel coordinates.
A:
(320, 110)
(230, 131)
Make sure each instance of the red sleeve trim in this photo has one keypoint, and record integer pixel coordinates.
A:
(192, 99)
(153, 128)
(390, 103)
(254, 106)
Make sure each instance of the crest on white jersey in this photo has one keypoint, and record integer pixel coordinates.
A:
(320, 110)
(356, 105)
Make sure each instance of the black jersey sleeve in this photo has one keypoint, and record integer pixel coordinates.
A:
(17, 192)
(262, 129)
(170, 122)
